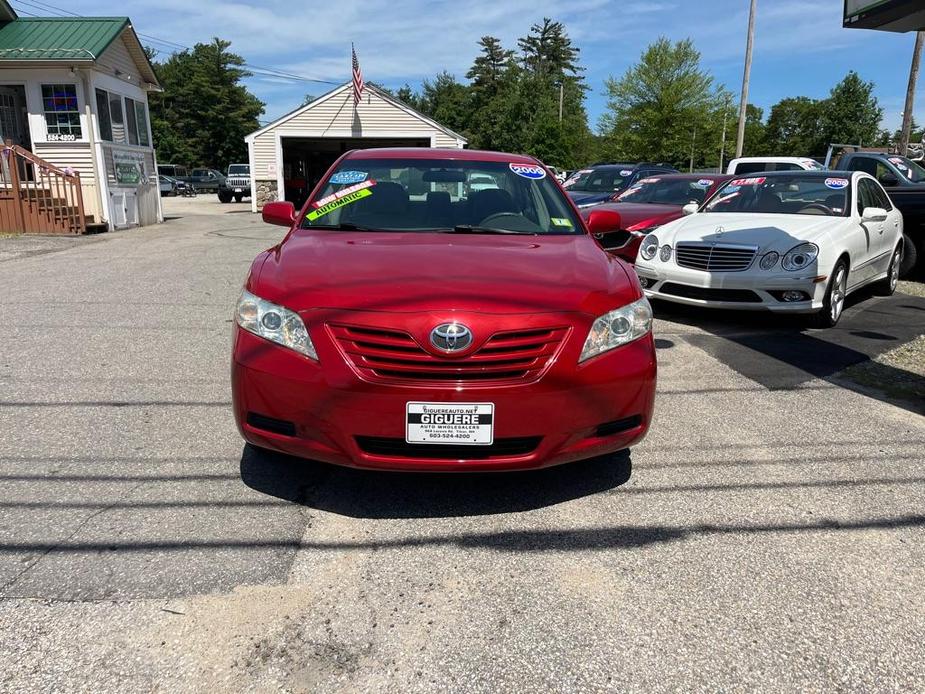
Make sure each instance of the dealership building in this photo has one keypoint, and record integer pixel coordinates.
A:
(291, 154)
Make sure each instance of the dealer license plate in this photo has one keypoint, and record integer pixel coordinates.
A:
(450, 423)
(238, 190)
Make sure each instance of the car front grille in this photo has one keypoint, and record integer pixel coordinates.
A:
(399, 448)
(237, 182)
(746, 296)
(381, 354)
(715, 257)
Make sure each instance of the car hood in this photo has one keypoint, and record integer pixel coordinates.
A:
(779, 232)
(580, 197)
(411, 272)
(635, 214)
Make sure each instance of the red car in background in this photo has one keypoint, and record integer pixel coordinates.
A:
(647, 205)
(440, 310)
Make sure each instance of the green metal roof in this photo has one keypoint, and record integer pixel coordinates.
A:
(59, 38)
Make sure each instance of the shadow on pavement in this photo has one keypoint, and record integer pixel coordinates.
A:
(779, 353)
(371, 494)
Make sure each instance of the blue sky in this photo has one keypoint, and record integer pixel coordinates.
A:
(800, 48)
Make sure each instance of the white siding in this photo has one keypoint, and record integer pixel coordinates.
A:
(117, 57)
(77, 155)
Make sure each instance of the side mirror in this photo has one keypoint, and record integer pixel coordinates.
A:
(690, 208)
(874, 214)
(888, 178)
(280, 213)
(602, 221)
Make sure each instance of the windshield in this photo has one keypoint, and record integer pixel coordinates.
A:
(238, 169)
(441, 195)
(662, 191)
(909, 169)
(797, 194)
(599, 180)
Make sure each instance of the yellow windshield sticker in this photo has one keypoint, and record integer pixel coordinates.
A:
(340, 202)
(561, 222)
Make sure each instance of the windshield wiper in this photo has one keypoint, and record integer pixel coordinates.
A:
(472, 229)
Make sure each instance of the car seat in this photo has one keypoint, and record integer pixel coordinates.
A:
(484, 203)
(439, 209)
(387, 206)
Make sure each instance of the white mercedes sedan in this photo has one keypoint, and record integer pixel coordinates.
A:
(790, 241)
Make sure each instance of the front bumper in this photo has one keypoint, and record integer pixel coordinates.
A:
(335, 413)
(748, 290)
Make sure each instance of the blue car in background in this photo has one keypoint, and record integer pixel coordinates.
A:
(599, 182)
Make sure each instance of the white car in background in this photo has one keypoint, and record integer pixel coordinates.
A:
(794, 241)
(749, 165)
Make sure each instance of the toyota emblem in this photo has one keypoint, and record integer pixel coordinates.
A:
(451, 337)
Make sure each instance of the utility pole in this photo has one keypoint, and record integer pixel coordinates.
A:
(910, 93)
(561, 92)
(722, 144)
(743, 103)
(693, 140)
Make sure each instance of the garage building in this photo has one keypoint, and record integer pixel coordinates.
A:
(290, 155)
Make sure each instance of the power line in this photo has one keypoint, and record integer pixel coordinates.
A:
(258, 69)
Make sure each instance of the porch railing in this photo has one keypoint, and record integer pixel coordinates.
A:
(37, 197)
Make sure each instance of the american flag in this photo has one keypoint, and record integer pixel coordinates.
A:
(357, 78)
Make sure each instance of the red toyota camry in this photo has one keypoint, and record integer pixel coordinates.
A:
(440, 310)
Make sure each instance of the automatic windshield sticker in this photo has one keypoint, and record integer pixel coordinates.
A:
(343, 192)
(836, 183)
(342, 177)
(340, 202)
(704, 183)
(561, 222)
(528, 171)
(749, 181)
(626, 172)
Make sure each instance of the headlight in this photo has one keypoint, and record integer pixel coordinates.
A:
(798, 257)
(769, 260)
(617, 328)
(664, 253)
(649, 247)
(274, 323)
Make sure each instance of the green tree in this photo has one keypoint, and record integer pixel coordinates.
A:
(794, 127)
(446, 101)
(488, 70)
(851, 114)
(204, 112)
(663, 106)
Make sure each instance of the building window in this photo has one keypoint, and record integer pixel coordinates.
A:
(122, 125)
(102, 112)
(130, 122)
(141, 115)
(117, 118)
(62, 115)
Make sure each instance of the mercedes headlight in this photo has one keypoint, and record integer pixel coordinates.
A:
(649, 247)
(769, 260)
(274, 323)
(799, 257)
(618, 328)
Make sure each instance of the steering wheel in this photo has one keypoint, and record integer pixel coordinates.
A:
(510, 221)
(497, 217)
(817, 206)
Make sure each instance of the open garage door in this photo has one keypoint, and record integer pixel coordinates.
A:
(306, 159)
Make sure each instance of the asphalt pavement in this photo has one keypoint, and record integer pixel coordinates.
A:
(769, 535)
